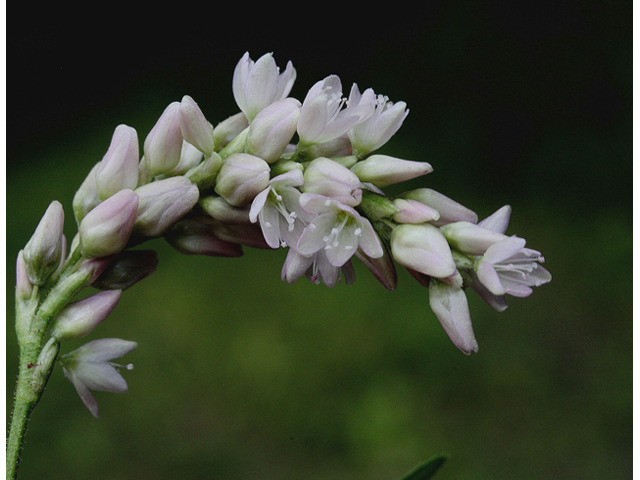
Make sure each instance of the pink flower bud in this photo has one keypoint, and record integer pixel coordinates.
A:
(470, 238)
(162, 203)
(163, 144)
(422, 248)
(229, 129)
(449, 210)
(86, 197)
(451, 307)
(24, 287)
(382, 170)
(194, 237)
(79, 318)
(119, 167)
(241, 178)
(272, 129)
(330, 179)
(194, 126)
(106, 229)
(411, 211)
(43, 251)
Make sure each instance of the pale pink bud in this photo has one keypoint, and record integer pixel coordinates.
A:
(470, 238)
(449, 210)
(106, 229)
(497, 221)
(194, 237)
(119, 167)
(162, 203)
(382, 170)
(241, 178)
(163, 144)
(218, 209)
(229, 129)
(272, 129)
(330, 179)
(194, 126)
(451, 307)
(411, 211)
(79, 318)
(43, 251)
(24, 287)
(422, 248)
(86, 197)
(127, 269)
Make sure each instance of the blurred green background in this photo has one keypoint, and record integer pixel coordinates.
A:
(241, 376)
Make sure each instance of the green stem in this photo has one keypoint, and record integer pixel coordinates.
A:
(33, 317)
(35, 369)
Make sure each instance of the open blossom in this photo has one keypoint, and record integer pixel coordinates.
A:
(337, 229)
(322, 116)
(372, 133)
(317, 268)
(509, 268)
(258, 84)
(89, 368)
(278, 209)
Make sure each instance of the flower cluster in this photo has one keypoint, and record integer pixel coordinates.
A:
(281, 173)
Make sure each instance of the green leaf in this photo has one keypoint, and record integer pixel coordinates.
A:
(426, 470)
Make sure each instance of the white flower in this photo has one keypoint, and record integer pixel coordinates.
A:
(88, 368)
(278, 209)
(317, 268)
(337, 229)
(258, 84)
(509, 268)
(322, 117)
(372, 133)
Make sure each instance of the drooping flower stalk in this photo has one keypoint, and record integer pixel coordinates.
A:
(249, 182)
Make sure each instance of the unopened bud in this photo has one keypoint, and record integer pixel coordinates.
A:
(86, 197)
(422, 248)
(229, 129)
(127, 269)
(194, 126)
(382, 170)
(326, 177)
(411, 211)
(162, 203)
(43, 251)
(218, 209)
(241, 178)
(78, 319)
(470, 238)
(24, 287)
(106, 229)
(194, 237)
(119, 167)
(272, 129)
(163, 144)
(204, 174)
(190, 157)
(449, 210)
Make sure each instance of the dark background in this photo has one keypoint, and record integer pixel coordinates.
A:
(239, 375)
